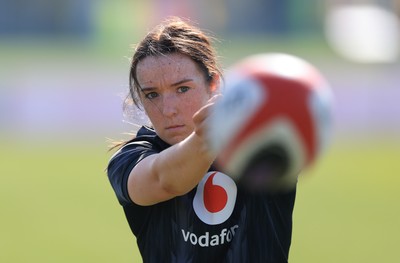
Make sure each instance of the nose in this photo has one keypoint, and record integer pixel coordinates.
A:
(170, 105)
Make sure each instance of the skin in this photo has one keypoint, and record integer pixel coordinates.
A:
(177, 100)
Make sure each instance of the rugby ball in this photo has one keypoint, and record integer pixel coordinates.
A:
(273, 120)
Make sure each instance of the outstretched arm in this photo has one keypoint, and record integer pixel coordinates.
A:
(176, 170)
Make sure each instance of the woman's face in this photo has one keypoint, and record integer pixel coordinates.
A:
(173, 89)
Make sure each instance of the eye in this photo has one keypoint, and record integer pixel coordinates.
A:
(151, 95)
(183, 89)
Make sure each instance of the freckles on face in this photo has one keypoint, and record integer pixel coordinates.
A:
(173, 89)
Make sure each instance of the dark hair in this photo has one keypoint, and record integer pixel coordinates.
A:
(174, 36)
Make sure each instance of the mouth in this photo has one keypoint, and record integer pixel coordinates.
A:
(174, 127)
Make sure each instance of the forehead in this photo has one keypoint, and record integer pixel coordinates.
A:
(171, 67)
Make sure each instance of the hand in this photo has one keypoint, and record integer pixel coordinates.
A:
(200, 120)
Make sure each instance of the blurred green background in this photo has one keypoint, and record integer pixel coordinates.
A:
(61, 92)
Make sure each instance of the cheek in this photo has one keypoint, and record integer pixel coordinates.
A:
(152, 111)
(196, 102)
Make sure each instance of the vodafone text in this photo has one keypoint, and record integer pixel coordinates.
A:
(205, 240)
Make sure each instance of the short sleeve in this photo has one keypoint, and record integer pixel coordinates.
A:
(122, 163)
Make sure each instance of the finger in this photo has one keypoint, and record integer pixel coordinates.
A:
(201, 114)
(204, 111)
(215, 98)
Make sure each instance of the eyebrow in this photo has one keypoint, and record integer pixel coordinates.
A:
(172, 85)
(181, 82)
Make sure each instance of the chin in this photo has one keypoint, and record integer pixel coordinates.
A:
(176, 139)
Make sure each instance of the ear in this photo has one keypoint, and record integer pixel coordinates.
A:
(215, 84)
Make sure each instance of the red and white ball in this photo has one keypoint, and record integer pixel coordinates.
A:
(271, 100)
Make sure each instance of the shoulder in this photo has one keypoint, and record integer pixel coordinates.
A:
(147, 136)
(146, 139)
(128, 156)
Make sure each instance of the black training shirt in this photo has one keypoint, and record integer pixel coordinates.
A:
(215, 222)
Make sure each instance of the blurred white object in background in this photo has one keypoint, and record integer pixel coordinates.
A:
(364, 33)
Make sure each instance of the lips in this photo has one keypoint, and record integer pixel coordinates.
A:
(174, 127)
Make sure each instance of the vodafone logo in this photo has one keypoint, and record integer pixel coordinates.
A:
(215, 198)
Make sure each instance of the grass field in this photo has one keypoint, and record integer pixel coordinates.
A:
(57, 206)
(347, 206)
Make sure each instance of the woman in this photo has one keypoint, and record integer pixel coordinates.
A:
(179, 207)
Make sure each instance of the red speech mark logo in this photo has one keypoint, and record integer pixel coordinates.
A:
(215, 198)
